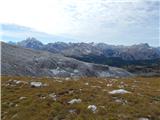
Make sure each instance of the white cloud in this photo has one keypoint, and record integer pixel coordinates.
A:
(45, 15)
(85, 19)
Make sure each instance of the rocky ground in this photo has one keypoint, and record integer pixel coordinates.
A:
(30, 98)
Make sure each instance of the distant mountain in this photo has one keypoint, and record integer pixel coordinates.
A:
(12, 43)
(56, 47)
(100, 50)
(31, 43)
(138, 59)
(19, 61)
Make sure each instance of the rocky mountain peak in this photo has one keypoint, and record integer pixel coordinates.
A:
(31, 42)
(135, 52)
(142, 45)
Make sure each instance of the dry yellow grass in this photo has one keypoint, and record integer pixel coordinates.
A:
(142, 102)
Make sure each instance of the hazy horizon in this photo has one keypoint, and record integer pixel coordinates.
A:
(120, 22)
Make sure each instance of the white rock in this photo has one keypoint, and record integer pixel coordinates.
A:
(53, 96)
(72, 111)
(36, 84)
(67, 78)
(108, 85)
(71, 91)
(72, 74)
(57, 71)
(18, 82)
(93, 108)
(15, 80)
(118, 101)
(76, 71)
(75, 101)
(21, 98)
(120, 86)
(9, 80)
(42, 97)
(16, 105)
(119, 91)
(86, 83)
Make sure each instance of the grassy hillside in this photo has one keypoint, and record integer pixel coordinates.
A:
(20, 101)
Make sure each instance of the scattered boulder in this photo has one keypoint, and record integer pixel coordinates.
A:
(121, 101)
(72, 111)
(67, 78)
(16, 105)
(75, 101)
(119, 91)
(70, 91)
(86, 83)
(93, 108)
(53, 96)
(109, 85)
(41, 96)
(120, 86)
(21, 98)
(17, 82)
(36, 84)
(118, 101)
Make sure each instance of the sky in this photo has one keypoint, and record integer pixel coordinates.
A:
(123, 22)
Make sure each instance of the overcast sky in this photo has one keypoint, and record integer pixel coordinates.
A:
(110, 21)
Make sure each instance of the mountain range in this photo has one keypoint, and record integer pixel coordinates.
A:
(77, 50)
(20, 61)
(138, 59)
